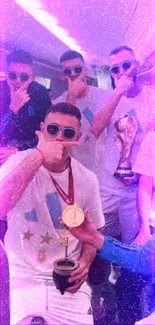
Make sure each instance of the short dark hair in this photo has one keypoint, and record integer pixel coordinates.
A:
(66, 109)
(120, 49)
(70, 55)
(19, 56)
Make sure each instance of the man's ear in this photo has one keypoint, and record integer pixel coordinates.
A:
(32, 76)
(62, 76)
(42, 126)
(86, 72)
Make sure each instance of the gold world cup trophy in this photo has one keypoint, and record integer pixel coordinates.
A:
(125, 132)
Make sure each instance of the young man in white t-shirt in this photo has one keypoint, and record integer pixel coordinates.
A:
(35, 237)
(145, 166)
(89, 100)
(125, 118)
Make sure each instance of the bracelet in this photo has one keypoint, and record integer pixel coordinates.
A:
(41, 153)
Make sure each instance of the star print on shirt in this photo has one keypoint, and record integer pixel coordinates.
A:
(63, 241)
(27, 235)
(86, 139)
(46, 238)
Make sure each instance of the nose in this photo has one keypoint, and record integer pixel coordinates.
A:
(73, 73)
(60, 136)
(121, 71)
(18, 81)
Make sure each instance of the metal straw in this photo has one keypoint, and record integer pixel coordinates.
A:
(66, 247)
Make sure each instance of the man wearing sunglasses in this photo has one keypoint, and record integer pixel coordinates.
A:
(125, 117)
(23, 105)
(36, 186)
(89, 151)
(88, 99)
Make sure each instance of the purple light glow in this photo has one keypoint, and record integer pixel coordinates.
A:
(35, 8)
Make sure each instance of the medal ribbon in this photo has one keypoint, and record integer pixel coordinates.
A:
(67, 198)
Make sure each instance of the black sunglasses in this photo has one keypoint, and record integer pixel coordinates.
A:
(126, 65)
(68, 133)
(68, 71)
(22, 76)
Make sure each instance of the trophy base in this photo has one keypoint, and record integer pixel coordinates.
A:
(123, 172)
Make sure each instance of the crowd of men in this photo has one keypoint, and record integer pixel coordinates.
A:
(91, 147)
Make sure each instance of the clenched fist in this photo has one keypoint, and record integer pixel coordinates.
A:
(76, 88)
(19, 98)
(126, 81)
(52, 151)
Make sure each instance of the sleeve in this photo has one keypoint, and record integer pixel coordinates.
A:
(5, 124)
(145, 161)
(94, 205)
(60, 99)
(102, 99)
(44, 101)
(140, 260)
(11, 163)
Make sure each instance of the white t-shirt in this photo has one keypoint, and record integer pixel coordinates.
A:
(145, 161)
(34, 239)
(90, 148)
(142, 108)
(145, 165)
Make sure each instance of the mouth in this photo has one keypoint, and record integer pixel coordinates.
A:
(73, 78)
(16, 87)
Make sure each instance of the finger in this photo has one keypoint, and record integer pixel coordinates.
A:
(78, 278)
(83, 75)
(12, 91)
(26, 95)
(77, 286)
(24, 86)
(40, 135)
(62, 223)
(23, 91)
(27, 98)
(69, 81)
(131, 72)
(68, 144)
(87, 218)
(78, 271)
(133, 244)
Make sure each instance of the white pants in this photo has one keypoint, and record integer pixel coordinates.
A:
(41, 298)
(122, 218)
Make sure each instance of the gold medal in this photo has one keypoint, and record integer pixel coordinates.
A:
(72, 216)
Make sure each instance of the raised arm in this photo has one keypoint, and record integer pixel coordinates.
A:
(13, 186)
(140, 259)
(102, 118)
